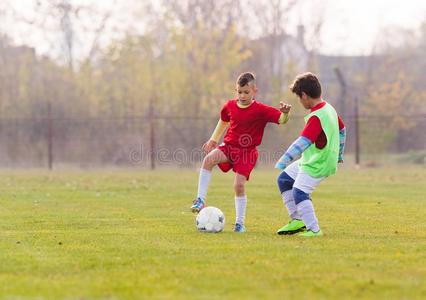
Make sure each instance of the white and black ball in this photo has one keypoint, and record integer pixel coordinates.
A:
(210, 219)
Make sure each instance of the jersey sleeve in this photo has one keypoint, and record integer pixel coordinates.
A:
(312, 129)
(224, 113)
(341, 124)
(271, 114)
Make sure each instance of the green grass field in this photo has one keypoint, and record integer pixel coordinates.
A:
(129, 235)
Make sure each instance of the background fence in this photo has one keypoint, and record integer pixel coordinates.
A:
(175, 141)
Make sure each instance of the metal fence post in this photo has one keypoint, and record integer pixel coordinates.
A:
(49, 136)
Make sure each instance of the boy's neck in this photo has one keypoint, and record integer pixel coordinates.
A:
(315, 102)
(240, 105)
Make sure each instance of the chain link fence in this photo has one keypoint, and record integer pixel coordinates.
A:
(176, 141)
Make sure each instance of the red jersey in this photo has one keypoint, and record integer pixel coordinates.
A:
(313, 130)
(247, 124)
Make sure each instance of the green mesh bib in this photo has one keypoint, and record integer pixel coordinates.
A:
(323, 162)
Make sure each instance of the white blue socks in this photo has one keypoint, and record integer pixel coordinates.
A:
(203, 183)
(240, 209)
(306, 210)
(240, 201)
(289, 203)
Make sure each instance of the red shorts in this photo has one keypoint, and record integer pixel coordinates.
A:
(241, 160)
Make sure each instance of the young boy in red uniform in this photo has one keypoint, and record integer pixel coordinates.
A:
(245, 119)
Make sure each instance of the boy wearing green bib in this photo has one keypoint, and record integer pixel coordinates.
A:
(320, 147)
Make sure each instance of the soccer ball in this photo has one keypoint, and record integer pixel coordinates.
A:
(210, 219)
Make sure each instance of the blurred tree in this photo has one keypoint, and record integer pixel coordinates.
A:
(395, 88)
(396, 104)
(177, 70)
(66, 27)
(207, 51)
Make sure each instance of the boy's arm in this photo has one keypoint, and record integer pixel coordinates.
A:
(342, 138)
(219, 130)
(285, 111)
(283, 118)
(217, 133)
(293, 152)
(277, 115)
(308, 136)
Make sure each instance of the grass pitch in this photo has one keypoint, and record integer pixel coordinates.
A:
(130, 235)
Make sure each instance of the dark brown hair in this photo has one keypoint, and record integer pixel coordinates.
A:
(307, 83)
(246, 78)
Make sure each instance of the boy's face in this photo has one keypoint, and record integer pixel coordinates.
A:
(246, 93)
(305, 101)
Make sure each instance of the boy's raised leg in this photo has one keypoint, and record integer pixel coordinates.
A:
(203, 183)
(213, 158)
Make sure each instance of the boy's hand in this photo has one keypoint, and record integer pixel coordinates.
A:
(209, 146)
(284, 107)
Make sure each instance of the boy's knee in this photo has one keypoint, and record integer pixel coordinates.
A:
(300, 196)
(285, 182)
(209, 161)
(239, 187)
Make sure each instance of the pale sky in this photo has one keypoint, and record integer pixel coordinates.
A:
(350, 27)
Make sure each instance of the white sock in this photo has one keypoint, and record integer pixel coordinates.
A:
(306, 211)
(289, 203)
(203, 183)
(240, 209)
